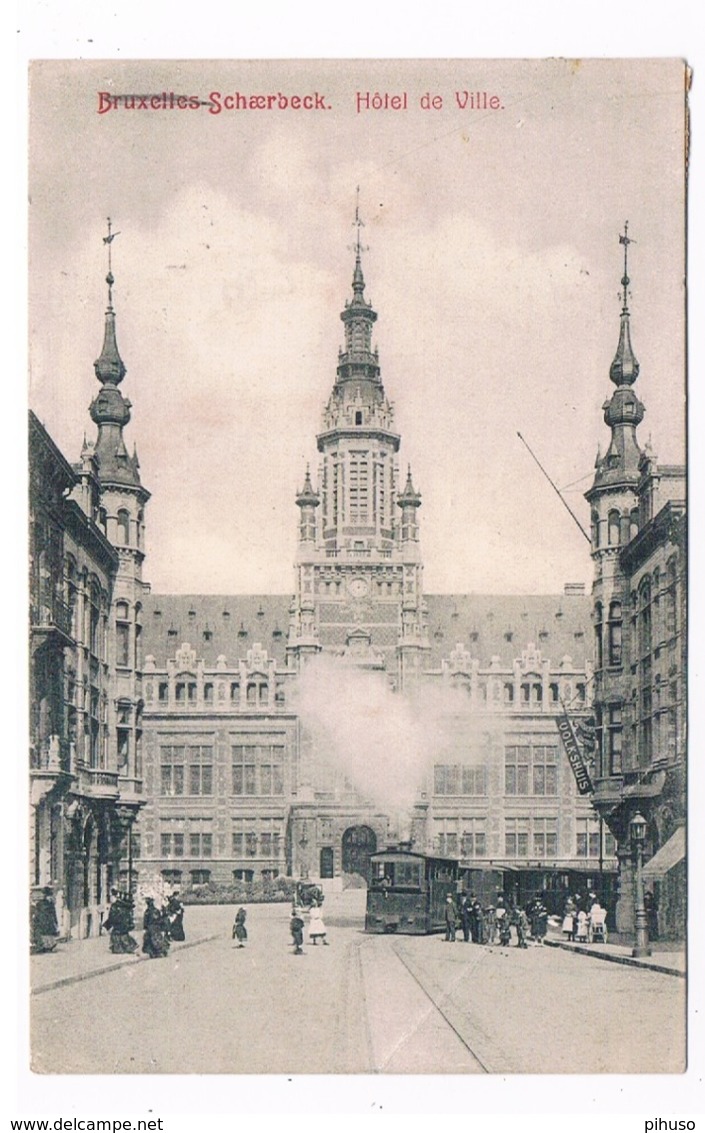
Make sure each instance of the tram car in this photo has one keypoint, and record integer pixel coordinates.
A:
(407, 892)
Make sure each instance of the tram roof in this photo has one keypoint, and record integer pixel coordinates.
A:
(404, 856)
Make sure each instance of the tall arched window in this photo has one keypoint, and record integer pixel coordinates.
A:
(122, 634)
(613, 528)
(645, 617)
(595, 527)
(633, 522)
(94, 642)
(615, 634)
(123, 526)
(670, 611)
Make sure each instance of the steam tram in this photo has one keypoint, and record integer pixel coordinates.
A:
(407, 892)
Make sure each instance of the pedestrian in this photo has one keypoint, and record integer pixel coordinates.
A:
(502, 918)
(451, 918)
(581, 934)
(490, 921)
(651, 908)
(568, 926)
(120, 921)
(521, 923)
(175, 916)
(155, 943)
(239, 929)
(475, 920)
(465, 917)
(540, 924)
(316, 927)
(296, 927)
(45, 926)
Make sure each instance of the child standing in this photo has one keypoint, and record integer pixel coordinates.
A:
(239, 930)
(296, 927)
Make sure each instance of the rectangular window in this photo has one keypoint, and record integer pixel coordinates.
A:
(474, 837)
(122, 644)
(587, 837)
(460, 779)
(530, 770)
(516, 770)
(200, 843)
(614, 739)
(258, 769)
(516, 837)
(545, 837)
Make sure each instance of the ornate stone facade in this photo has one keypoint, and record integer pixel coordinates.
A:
(86, 593)
(638, 512)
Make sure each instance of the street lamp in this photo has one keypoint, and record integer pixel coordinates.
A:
(637, 830)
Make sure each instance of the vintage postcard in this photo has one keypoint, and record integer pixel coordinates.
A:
(358, 567)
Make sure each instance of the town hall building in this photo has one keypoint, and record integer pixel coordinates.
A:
(169, 742)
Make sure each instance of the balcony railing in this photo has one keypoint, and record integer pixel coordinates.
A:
(51, 613)
(98, 781)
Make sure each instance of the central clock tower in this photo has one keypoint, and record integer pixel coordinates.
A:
(358, 566)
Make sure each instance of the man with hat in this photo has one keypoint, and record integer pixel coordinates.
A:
(451, 918)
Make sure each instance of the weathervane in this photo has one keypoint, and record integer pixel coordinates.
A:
(626, 240)
(358, 223)
(109, 279)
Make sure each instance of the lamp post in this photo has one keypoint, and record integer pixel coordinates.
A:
(637, 830)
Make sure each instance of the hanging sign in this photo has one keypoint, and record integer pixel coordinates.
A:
(575, 756)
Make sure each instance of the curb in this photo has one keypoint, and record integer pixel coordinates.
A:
(628, 961)
(65, 981)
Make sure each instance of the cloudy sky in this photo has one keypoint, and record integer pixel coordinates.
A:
(493, 262)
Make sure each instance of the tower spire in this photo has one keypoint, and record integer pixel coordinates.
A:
(625, 368)
(109, 366)
(623, 411)
(109, 409)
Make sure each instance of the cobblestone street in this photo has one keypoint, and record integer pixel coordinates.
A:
(366, 1004)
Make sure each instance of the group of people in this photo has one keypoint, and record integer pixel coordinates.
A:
(495, 922)
(162, 925)
(584, 919)
(316, 927)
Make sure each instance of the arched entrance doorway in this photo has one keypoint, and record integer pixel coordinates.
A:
(359, 843)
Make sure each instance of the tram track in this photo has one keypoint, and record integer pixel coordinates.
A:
(441, 1009)
(416, 1017)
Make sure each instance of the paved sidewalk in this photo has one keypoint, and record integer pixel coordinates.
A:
(77, 960)
(672, 962)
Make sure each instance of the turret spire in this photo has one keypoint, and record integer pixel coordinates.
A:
(623, 412)
(110, 410)
(109, 367)
(625, 368)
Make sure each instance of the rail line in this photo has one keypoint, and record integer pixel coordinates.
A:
(444, 1015)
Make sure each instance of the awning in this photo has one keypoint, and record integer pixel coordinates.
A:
(671, 853)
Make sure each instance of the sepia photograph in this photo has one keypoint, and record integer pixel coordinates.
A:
(358, 567)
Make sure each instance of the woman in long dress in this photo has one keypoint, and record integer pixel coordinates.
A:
(316, 927)
(239, 929)
(175, 914)
(120, 922)
(156, 939)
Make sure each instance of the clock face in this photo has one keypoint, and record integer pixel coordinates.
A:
(358, 587)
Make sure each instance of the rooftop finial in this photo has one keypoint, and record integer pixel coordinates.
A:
(626, 241)
(110, 279)
(358, 247)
